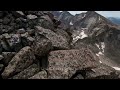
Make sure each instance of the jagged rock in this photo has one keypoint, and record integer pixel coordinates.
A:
(7, 57)
(40, 75)
(64, 63)
(28, 72)
(21, 31)
(58, 41)
(46, 22)
(102, 72)
(41, 46)
(15, 42)
(1, 67)
(1, 58)
(63, 33)
(23, 59)
(26, 39)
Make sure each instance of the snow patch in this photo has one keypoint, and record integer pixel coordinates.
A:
(100, 61)
(102, 46)
(84, 16)
(83, 35)
(99, 53)
(99, 18)
(97, 46)
(116, 68)
(71, 23)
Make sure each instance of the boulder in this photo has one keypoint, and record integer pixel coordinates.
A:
(7, 57)
(58, 41)
(41, 46)
(63, 64)
(102, 72)
(1, 68)
(46, 22)
(40, 75)
(28, 72)
(23, 59)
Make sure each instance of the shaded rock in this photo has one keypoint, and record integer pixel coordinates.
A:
(58, 41)
(40, 75)
(102, 72)
(27, 73)
(41, 46)
(23, 59)
(1, 58)
(63, 64)
(7, 57)
(63, 33)
(26, 39)
(1, 67)
(15, 42)
(21, 31)
(46, 22)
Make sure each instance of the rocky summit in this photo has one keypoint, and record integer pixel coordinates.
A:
(58, 45)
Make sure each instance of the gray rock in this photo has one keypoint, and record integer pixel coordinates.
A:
(15, 42)
(23, 59)
(30, 16)
(63, 64)
(1, 58)
(102, 72)
(27, 73)
(42, 47)
(58, 41)
(7, 57)
(1, 67)
(40, 75)
(21, 31)
(46, 22)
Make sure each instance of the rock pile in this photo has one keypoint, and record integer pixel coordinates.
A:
(33, 46)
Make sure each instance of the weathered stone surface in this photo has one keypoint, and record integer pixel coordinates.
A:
(1, 67)
(64, 63)
(42, 46)
(1, 58)
(40, 75)
(46, 22)
(23, 59)
(28, 72)
(57, 40)
(102, 72)
(7, 57)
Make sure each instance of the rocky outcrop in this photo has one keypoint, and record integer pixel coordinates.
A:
(27, 73)
(37, 45)
(58, 41)
(65, 63)
(24, 58)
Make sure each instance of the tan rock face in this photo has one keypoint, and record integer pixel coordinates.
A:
(19, 62)
(40, 75)
(28, 72)
(57, 40)
(64, 63)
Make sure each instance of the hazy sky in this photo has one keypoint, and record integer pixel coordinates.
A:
(104, 13)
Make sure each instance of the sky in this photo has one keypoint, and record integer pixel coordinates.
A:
(104, 13)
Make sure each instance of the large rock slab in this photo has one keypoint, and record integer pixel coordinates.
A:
(28, 72)
(58, 41)
(102, 72)
(40, 75)
(63, 64)
(19, 62)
